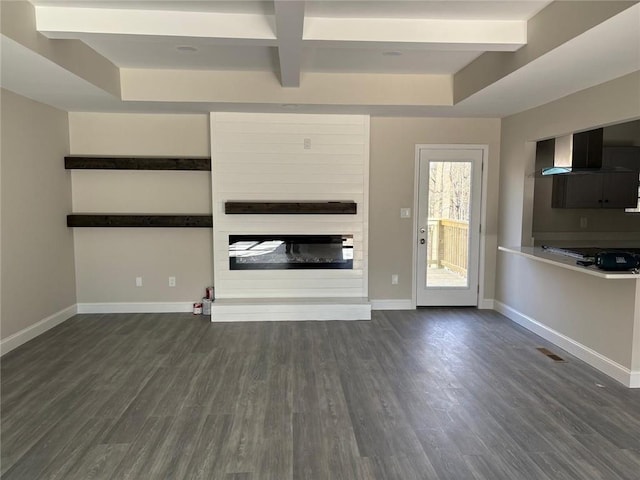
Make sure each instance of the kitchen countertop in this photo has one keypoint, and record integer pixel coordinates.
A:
(538, 254)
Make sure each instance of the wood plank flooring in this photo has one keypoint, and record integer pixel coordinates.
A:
(442, 394)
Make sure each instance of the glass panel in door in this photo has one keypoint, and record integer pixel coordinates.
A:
(448, 224)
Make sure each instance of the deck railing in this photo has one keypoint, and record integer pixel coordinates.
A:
(448, 245)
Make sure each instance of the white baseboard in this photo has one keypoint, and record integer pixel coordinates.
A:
(26, 334)
(136, 307)
(392, 304)
(607, 366)
(487, 304)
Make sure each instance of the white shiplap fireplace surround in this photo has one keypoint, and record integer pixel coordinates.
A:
(290, 158)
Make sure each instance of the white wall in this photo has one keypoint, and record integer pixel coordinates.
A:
(109, 259)
(393, 143)
(38, 279)
(592, 311)
(106, 272)
(262, 157)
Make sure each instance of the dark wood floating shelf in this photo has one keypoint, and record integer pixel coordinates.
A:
(128, 220)
(335, 208)
(137, 163)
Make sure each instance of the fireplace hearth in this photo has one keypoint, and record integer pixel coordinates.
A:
(286, 252)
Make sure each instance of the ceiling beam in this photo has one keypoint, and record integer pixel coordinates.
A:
(471, 35)
(71, 22)
(289, 28)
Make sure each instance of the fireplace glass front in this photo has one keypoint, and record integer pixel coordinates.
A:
(282, 252)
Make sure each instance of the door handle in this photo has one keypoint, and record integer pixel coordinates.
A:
(422, 240)
(422, 230)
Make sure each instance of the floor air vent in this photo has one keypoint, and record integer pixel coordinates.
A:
(551, 355)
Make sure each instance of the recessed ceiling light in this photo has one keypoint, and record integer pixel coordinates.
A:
(186, 48)
(392, 53)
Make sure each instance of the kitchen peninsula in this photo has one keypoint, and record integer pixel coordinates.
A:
(593, 314)
(546, 255)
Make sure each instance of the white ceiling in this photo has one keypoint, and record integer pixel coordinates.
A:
(153, 51)
(372, 60)
(341, 37)
(607, 51)
(130, 51)
(33, 76)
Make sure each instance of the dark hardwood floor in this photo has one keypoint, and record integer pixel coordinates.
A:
(430, 394)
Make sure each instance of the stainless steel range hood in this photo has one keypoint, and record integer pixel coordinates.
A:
(577, 153)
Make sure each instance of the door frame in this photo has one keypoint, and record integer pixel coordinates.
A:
(483, 215)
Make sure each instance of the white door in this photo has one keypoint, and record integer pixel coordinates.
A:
(448, 221)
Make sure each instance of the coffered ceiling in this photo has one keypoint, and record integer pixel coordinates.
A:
(449, 57)
(289, 37)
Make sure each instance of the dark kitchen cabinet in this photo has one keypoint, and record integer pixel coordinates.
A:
(596, 190)
(626, 157)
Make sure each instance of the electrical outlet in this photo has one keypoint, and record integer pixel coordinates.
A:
(394, 279)
(172, 281)
(583, 222)
(405, 213)
(138, 281)
(307, 144)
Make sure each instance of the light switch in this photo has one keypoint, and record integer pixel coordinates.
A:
(405, 213)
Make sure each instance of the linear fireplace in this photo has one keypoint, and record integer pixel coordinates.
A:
(285, 252)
